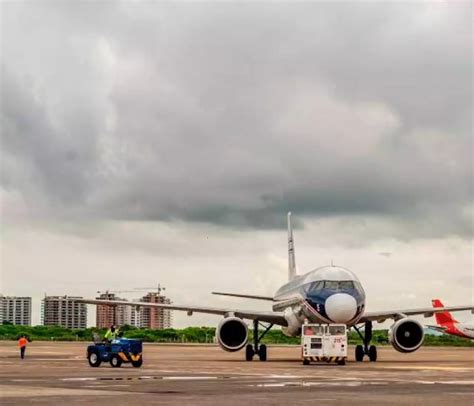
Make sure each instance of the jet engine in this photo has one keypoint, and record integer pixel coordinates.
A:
(406, 335)
(232, 334)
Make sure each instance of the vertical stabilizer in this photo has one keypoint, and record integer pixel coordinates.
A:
(291, 251)
(444, 318)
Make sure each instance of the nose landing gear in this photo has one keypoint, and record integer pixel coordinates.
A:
(366, 349)
(256, 349)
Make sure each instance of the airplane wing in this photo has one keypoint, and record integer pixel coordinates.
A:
(267, 317)
(257, 297)
(398, 314)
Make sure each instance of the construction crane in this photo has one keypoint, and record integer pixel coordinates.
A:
(108, 291)
(158, 288)
(115, 308)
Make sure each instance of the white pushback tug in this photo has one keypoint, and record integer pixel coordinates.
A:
(324, 342)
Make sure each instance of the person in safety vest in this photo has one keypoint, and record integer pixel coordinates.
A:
(22, 342)
(112, 333)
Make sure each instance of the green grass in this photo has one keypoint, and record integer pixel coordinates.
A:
(193, 335)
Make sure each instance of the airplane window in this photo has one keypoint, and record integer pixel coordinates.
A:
(331, 284)
(318, 285)
(315, 286)
(346, 285)
(358, 287)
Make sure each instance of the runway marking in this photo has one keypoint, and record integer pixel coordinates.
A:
(32, 392)
(188, 378)
(135, 378)
(432, 368)
(442, 382)
(52, 359)
(354, 383)
(457, 382)
(305, 384)
(282, 376)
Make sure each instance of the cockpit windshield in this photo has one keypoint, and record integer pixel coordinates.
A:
(333, 285)
(338, 285)
(346, 285)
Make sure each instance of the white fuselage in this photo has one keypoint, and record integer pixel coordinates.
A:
(329, 294)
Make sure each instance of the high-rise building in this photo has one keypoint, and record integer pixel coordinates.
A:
(15, 310)
(141, 317)
(63, 311)
(108, 315)
(153, 317)
(135, 315)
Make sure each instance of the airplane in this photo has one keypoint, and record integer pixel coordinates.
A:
(447, 324)
(325, 295)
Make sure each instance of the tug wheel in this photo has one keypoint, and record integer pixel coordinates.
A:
(94, 359)
(138, 363)
(115, 361)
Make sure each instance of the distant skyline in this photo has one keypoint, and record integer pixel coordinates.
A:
(146, 143)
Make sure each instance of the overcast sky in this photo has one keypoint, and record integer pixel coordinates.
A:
(147, 142)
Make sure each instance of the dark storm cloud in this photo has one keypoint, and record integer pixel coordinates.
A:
(237, 113)
(55, 159)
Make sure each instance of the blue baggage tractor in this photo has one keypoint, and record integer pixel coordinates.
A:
(116, 353)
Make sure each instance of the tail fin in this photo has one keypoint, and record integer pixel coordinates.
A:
(444, 317)
(291, 251)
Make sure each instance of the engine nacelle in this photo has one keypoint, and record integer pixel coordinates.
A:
(232, 334)
(406, 335)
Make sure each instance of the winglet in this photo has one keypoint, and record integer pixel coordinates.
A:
(291, 251)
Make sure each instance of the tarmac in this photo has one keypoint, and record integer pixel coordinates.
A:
(58, 373)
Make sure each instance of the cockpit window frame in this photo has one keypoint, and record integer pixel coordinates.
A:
(334, 285)
(346, 285)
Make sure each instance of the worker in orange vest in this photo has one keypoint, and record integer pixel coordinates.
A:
(22, 344)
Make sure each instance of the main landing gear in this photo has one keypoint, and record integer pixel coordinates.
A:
(255, 349)
(366, 349)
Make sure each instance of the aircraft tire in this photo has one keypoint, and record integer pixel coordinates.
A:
(359, 353)
(262, 352)
(373, 353)
(249, 352)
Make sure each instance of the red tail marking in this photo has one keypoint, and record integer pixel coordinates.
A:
(443, 318)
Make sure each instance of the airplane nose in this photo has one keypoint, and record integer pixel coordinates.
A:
(341, 307)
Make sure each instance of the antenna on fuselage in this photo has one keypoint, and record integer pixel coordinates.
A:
(291, 251)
